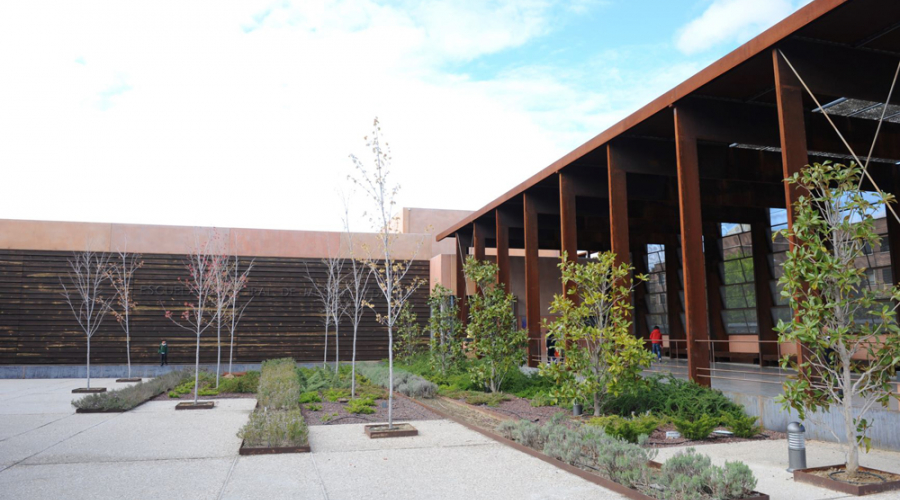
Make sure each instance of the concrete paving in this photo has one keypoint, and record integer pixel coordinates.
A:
(157, 452)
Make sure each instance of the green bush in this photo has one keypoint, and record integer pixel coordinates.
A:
(700, 428)
(542, 399)
(327, 417)
(742, 426)
(665, 395)
(279, 386)
(313, 407)
(406, 383)
(335, 394)
(627, 429)
(689, 475)
(128, 397)
(310, 397)
(275, 428)
(244, 384)
(361, 405)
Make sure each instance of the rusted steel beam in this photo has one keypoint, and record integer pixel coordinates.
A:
(713, 257)
(532, 282)
(502, 237)
(567, 222)
(618, 205)
(693, 265)
(762, 276)
(463, 242)
(792, 132)
(478, 237)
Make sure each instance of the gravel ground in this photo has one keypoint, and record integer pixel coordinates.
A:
(403, 410)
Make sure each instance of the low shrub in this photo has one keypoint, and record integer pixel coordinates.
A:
(361, 405)
(313, 407)
(542, 399)
(335, 394)
(275, 428)
(128, 397)
(742, 426)
(279, 386)
(699, 428)
(527, 385)
(665, 395)
(686, 476)
(627, 429)
(689, 475)
(244, 384)
(326, 417)
(310, 397)
(406, 383)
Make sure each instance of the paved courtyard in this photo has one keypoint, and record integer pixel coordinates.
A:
(48, 451)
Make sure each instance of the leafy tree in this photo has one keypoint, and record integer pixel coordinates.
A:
(445, 331)
(599, 355)
(408, 334)
(837, 319)
(492, 327)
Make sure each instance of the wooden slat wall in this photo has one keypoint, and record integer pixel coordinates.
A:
(284, 319)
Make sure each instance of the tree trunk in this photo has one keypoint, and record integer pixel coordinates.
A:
(89, 362)
(197, 370)
(390, 373)
(218, 348)
(849, 427)
(325, 358)
(337, 345)
(353, 362)
(596, 404)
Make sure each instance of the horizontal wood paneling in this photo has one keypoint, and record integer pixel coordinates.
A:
(283, 319)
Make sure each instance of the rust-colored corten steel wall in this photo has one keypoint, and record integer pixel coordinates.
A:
(283, 319)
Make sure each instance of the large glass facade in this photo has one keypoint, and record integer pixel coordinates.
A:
(736, 270)
(655, 260)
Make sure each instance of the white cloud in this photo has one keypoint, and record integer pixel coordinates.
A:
(153, 112)
(732, 21)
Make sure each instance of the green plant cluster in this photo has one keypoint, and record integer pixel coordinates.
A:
(742, 426)
(335, 394)
(277, 421)
(275, 428)
(361, 405)
(627, 429)
(687, 476)
(310, 397)
(446, 350)
(279, 386)
(244, 384)
(667, 396)
(313, 407)
(128, 397)
(696, 429)
(406, 383)
(476, 397)
(408, 341)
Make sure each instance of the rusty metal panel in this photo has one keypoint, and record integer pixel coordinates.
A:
(532, 282)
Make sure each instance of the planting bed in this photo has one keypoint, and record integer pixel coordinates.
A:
(378, 431)
(200, 405)
(132, 379)
(874, 481)
(190, 397)
(658, 438)
(85, 390)
(272, 450)
(337, 414)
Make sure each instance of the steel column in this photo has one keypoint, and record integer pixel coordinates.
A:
(567, 222)
(502, 230)
(532, 281)
(792, 132)
(712, 256)
(693, 265)
(618, 206)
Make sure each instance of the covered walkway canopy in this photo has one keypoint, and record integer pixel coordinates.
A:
(713, 150)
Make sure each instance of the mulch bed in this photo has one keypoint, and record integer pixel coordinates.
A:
(404, 410)
(224, 395)
(658, 438)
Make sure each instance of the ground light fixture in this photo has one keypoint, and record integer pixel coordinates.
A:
(796, 446)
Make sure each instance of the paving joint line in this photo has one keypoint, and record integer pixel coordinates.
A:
(38, 427)
(127, 461)
(228, 477)
(319, 475)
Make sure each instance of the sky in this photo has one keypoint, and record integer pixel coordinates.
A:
(244, 113)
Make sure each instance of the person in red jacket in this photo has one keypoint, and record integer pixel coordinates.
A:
(656, 343)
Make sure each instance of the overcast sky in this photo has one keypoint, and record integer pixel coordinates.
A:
(243, 113)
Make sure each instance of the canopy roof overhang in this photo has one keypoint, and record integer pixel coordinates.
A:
(846, 51)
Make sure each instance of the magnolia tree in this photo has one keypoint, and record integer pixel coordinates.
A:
(330, 293)
(356, 282)
(121, 272)
(599, 355)
(200, 313)
(492, 327)
(86, 294)
(237, 281)
(850, 337)
(391, 274)
(445, 332)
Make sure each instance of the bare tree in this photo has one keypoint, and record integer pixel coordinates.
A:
(329, 292)
(121, 272)
(220, 294)
(238, 281)
(87, 276)
(197, 316)
(391, 274)
(356, 285)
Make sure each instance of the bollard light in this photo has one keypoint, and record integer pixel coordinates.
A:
(577, 409)
(796, 446)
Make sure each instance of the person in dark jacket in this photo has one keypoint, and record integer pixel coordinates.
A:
(163, 354)
(656, 342)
